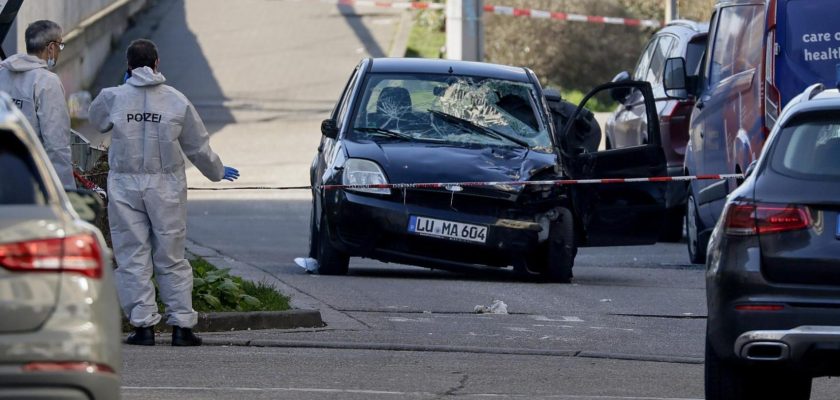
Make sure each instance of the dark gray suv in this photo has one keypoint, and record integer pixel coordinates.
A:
(59, 318)
(773, 270)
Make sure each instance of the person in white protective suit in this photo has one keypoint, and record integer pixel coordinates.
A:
(152, 124)
(39, 94)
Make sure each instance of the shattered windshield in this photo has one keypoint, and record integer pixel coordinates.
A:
(450, 110)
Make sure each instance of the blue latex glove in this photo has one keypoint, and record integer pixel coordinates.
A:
(231, 174)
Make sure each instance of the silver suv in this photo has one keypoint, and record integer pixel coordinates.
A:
(59, 316)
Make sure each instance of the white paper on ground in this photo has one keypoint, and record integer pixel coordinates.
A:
(498, 307)
(309, 264)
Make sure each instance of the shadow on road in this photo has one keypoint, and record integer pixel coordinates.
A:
(354, 20)
(182, 61)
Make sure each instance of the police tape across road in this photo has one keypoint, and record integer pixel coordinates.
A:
(508, 11)
(457, 186)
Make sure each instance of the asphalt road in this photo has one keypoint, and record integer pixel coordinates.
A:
(264, 74)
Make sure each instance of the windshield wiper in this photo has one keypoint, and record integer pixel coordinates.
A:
(384, 132)
(473, 127)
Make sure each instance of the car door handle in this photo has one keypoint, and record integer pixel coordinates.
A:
(700, 105)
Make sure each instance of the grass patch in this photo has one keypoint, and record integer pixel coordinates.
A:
(599, 103)
(215, 290)
(427, 35)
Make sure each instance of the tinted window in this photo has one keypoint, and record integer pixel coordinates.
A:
(694, 55)
(345, 99)
(738, 42)
(21, 183)
(809, 147)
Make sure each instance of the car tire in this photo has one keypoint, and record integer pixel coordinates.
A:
(726, 380)
(561, 248)
(696, 244)
(672, 231)
(331, 261)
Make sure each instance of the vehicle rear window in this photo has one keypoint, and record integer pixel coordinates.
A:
(21, 183)
(809, 147)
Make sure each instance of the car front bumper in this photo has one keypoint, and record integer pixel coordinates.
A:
(376, 227)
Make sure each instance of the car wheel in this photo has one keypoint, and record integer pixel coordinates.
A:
(331, 261)
(726, 380)
(672, 232)
(561, 248)
(696, 245)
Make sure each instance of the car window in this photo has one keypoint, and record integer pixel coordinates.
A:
(657, 60)
(344, 103)
(809, 148)
(694, 55)
(737, 46)
(21, 183)
(451, 109)
(644, 61)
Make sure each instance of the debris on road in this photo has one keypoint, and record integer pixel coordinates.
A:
(309, 264)
(498, 307)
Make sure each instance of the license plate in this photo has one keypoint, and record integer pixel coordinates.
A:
(447, 229)
(837, 234)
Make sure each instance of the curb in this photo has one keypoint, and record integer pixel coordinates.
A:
(399, 43)
(248, 321)
(240, 321)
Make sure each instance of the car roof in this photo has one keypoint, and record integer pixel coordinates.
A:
(438, 66)
(814, 98)
(698, 27)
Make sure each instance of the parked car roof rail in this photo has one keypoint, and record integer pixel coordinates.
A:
(693, 25)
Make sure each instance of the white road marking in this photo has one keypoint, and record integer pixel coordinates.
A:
(561, 319)
(388, 393)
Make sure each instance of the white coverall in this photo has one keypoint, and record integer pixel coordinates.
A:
(152, 124)
(40, 96)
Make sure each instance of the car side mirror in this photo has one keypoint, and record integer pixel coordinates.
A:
(751, 169)
(675, 80)
(86, 203)
(329, 128)
(620, 94)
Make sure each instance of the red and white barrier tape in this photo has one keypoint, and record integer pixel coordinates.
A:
(388, 4)
(505, 10)
(560, 16)
(89, 185)
(441, 185)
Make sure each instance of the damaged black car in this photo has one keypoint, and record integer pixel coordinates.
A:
(439, 121)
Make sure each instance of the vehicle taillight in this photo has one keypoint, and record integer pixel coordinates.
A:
(678, 118)
(743, 219)
(84, 367)
(79, 254)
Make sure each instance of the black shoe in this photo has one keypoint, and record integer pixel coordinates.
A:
(184, 337)
(141, 337)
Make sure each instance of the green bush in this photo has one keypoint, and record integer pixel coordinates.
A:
(216, 290)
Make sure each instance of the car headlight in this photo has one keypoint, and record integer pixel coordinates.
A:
(364, 172)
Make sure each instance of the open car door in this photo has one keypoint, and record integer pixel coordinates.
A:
(616, 214)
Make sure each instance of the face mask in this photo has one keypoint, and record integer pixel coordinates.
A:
(50, 63)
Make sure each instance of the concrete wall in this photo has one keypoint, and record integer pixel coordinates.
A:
(90, 27)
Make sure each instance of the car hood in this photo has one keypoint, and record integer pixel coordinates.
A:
(433, 163)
